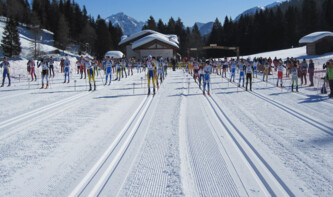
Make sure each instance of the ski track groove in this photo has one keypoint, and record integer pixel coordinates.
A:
(158, 159)
(297, 114)
(102, 160)
(208, 165)
(242, 149)
(288, 149)
(301, 116)
(279, 182)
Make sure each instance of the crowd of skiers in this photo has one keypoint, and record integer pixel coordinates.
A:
(200, 69)
(292, 68)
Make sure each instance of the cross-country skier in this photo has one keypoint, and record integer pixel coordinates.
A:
(150, 74)
(94, 63)
(138, 66)
(32, 71)
(91, 73)
(255, 67)
(123, 67)
(196, 70)
(45, 72)
(78, 65)
(241, 68)
(207, 70)
(5, 64)
(280, 68)
(249, 71)
(160, 72)
(233, 66)
(118, 70)
(294, 77)
(108, 69)
(131, 62)
(218, 67)
(266, 71)
(51, 67)
(67, 64)
(201, 74)
(225, 67)
(165, 67)
(155, 72)
(83, 68)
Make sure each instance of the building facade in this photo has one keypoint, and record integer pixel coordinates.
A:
(149, 42)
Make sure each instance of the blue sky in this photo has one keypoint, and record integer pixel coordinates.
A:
(189, 11)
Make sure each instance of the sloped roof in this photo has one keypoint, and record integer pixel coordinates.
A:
(314, 37)
(136, 35)
(160, 37)
(114, 54)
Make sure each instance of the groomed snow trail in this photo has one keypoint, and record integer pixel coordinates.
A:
(117, 141)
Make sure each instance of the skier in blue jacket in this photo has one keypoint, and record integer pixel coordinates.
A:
(5, 64)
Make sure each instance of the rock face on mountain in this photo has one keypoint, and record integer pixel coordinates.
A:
(128, 24)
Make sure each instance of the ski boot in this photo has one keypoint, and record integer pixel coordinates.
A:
(292, 88)
(65, 81)
(154, 91)
(105, 83)
(89, 86)
(148, 91)
(110, 82)
(296, 88)
(8, 85)
(68, 81)
(208, 93)
(203, 92)
(42, 86)
(47, 85)
(94, 86)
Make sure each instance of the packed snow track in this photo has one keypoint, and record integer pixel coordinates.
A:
(119, 141)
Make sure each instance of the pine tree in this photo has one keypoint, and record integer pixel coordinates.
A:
(161, 27)
(328, 14)
(309, 17)
(61, 37)
(151, 24)
(103, 42)
(171, 28)
(11, 45)
(87, 38)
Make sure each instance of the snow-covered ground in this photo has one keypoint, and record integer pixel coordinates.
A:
(117, 141)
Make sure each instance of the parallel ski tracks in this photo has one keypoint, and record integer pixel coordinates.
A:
(98, 176)
(273, 184)
(46, 110)
(301, 116)
(19, 122)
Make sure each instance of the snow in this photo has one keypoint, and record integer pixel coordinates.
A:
(114, 54)
(178, 143)
(152, 37)
(136, 35)
(314, 37)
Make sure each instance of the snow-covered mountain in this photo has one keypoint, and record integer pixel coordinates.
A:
(128, 24)
(204, 28)
(253, 10)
